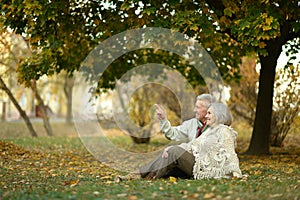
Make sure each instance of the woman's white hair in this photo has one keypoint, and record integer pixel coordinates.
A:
(222, 113)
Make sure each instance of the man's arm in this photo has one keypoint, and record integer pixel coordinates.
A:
(176, 133)
(172, 133)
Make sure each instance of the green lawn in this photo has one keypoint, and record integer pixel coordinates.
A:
(60, 167)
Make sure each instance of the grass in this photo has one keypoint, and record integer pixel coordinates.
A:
(60, 167)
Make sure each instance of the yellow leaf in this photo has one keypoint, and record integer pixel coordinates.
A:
(132, 198)
(194, 28)
(105, 177)
(269, 20)
(73, 183)
(173, 179)
(257, 172)
(290, 170)
(262, 45)
(209, 195)
(266, 28)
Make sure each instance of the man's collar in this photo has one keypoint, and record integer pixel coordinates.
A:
(200, 123)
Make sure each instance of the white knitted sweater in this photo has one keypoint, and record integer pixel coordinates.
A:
(215, 155)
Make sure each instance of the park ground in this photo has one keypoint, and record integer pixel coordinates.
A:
(60, 167)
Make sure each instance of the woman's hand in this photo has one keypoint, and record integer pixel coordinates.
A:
(165, 153)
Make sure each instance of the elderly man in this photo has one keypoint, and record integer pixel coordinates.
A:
(189, 129)
(176, 155)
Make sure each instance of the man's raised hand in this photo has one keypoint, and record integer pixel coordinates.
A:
(160, 113)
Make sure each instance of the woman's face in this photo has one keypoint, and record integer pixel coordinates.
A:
(210, 117)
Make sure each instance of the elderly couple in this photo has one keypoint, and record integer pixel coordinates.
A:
(210, 152)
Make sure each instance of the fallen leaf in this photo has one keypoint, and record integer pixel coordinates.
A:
(209, 195)
(275, 195)
(132, 198)
(72, 183)
(122, 195)
(173, 179)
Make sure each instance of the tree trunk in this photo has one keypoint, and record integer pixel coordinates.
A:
(3, 117)
(42, 106)
(260, 140)
(22, 112)
(68, 90)
(259, 143)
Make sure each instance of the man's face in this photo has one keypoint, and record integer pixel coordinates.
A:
(200, 110)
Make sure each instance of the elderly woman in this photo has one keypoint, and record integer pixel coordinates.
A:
(214, 152)
(211, 155)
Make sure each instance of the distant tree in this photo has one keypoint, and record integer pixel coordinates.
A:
(134, 104)
(68, 91)
(60, 87)
(243, 94)
(42, 106)
(17, 52)
(10, 56)
(139, 111)
(286, 103)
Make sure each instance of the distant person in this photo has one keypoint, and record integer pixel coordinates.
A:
(211, 155)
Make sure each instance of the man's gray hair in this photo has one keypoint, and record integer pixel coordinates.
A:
(208, 99)
(222, 113)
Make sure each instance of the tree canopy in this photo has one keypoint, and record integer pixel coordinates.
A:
(62, 33)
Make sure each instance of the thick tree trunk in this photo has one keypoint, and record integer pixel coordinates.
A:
(262, 125)
(18, 107)
(42, 106)
(260, 141)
